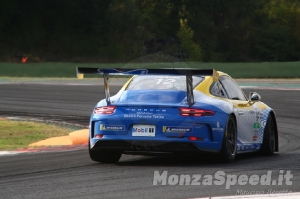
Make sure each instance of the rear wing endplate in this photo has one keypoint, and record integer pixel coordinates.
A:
(189, 73)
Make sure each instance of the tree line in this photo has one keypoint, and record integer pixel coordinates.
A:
(123, 30)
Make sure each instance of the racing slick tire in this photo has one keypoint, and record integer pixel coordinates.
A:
(104, 156)
(268, 145)
(228, 150)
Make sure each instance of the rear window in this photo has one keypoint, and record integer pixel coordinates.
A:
(161, 82)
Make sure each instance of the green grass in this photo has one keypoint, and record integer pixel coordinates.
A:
(16, 134)
(236, 70)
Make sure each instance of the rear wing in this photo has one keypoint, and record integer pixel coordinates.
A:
(189, 73)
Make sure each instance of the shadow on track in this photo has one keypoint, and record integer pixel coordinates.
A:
(200, 161)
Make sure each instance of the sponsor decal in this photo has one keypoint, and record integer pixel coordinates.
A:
(256, 126)
(144, 116)
(257, 116)
(105, 127)
(263, 123)
(254, 138)
(143, 130)
(251, 112)
(144, 71)
(248, 147)
(218, 127)
(171, 129)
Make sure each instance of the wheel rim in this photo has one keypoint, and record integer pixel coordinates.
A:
(231, 138)
(272, 136)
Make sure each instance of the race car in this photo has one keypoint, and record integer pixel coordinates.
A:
(180, 111)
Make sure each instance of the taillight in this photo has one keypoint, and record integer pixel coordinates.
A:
(105, 110)
(195, 112)
(193, 138)
(98, 136)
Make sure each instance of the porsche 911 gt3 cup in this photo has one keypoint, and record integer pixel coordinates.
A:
(179, 111)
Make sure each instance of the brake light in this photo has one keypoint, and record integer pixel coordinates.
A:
(195, 112)
(105, 110)
(193, 138)
(98, 136)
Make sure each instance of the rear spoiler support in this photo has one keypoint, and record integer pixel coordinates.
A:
(187, 72)
(189, 89)
(106, 89)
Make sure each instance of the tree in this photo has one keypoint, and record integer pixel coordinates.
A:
(279, 35)
(185, 35)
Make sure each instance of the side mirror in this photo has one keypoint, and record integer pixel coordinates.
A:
(254, 97)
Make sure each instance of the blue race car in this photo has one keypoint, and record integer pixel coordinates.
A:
(179, 111)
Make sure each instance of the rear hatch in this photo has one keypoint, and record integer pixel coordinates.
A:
(149, 114)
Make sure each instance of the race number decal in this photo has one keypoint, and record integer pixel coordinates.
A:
(165, 81)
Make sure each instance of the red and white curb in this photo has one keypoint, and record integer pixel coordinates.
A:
(2, 153)
(295, 195)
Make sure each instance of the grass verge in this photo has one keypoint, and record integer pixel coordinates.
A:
(236, 70)
(18, 134)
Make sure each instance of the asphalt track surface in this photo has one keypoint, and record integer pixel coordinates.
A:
(71, 174)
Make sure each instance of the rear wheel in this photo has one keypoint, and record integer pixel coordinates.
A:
(104, 156)
(268, 145)
(228, 150)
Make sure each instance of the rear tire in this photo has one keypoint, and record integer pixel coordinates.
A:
(104, 156)
(228, 150)
(268, 145)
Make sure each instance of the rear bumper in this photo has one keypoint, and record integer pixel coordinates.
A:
(148, 146)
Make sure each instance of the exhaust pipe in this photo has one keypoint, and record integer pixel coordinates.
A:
(142, 146)
(138, 146)
(147, 146)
